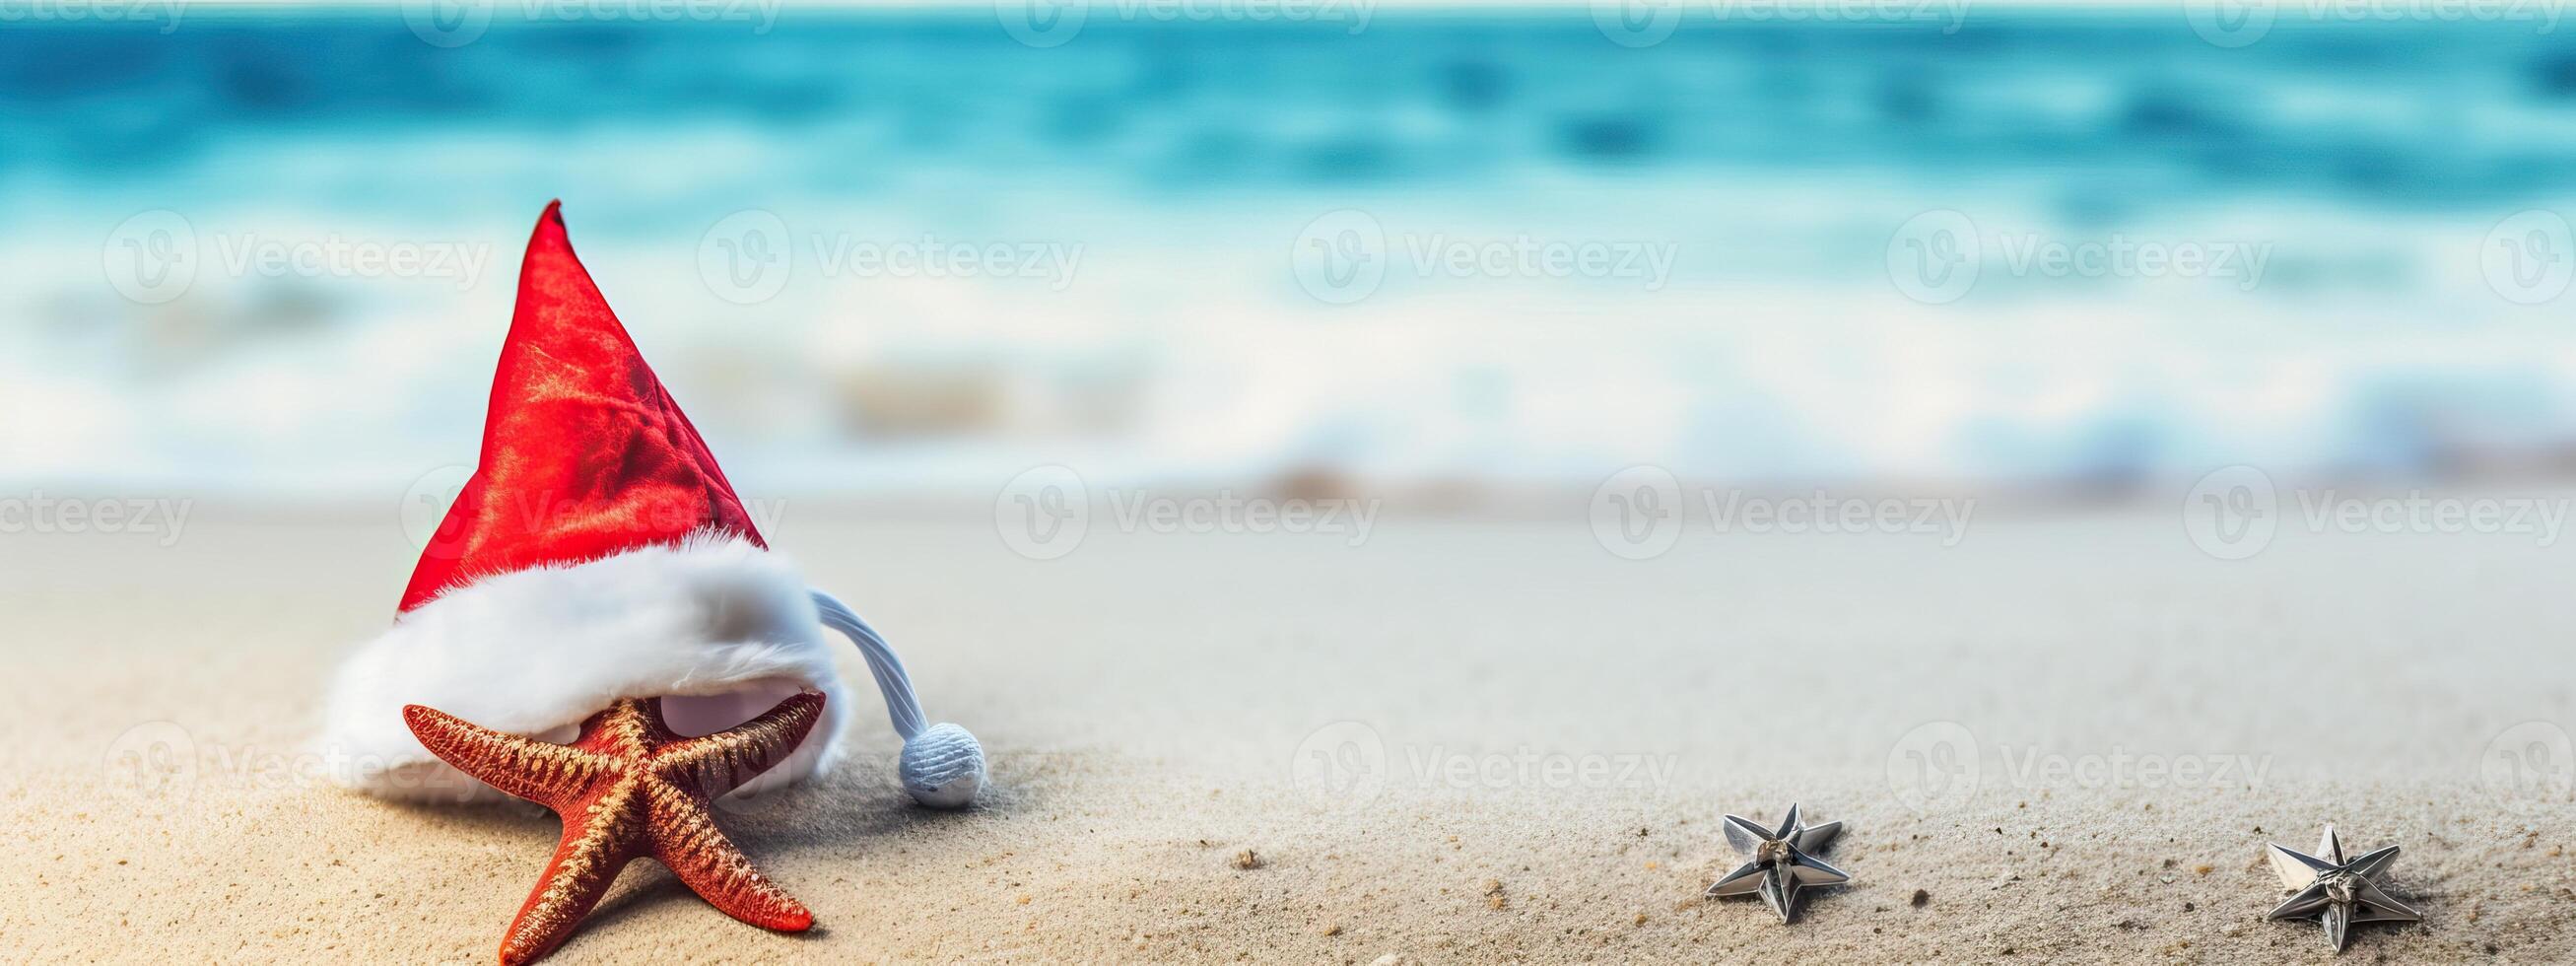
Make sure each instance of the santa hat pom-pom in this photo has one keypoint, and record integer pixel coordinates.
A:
(942, 765)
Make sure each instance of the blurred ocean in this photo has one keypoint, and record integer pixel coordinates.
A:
(910, 250)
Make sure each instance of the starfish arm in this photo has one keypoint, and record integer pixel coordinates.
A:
(1744, 835)
(2337, 917)
(1788, 824)
(1807, 870)
(544, 773)
(2373, 904)
(2305, 903)
(2374, 863)
(2297, 869)
(2330, 846)
(721, 762)
(1816, 837)
(597, 843)
(1739, 882)
(1780, 893)
(687, 841)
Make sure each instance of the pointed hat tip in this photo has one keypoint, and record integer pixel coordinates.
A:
(550, 234)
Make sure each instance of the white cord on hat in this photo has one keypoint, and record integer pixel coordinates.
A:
(942, 765)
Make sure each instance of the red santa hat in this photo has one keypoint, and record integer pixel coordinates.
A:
(598, 553)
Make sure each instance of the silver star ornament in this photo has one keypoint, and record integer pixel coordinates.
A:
(1778, 864)
(2337, 892)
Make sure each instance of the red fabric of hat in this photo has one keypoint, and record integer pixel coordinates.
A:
(584, 453)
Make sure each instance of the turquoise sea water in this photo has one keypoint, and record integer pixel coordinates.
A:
(2103, 113)
(1137, 196)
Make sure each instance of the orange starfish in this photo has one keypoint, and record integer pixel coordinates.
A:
(626, 789)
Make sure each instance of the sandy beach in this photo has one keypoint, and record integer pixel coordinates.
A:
(2064, 739)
